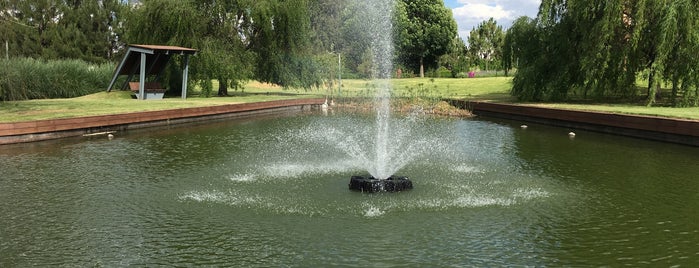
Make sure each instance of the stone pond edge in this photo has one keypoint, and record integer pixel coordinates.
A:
(40, 130)
(681, 131)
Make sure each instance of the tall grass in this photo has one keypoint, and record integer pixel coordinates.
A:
(26, 78)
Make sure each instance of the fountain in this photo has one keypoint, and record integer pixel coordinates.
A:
(263, 192)
(379, 24)
(372, 185)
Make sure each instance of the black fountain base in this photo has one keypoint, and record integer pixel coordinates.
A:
(372, 185)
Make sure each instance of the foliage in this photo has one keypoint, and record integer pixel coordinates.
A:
(355, 37)
(485, 44)
(426, 33)
(677, 52)
(516, 43)
(26, 78)
(224, 53)
(597, 49)
(281, 42)
(293, 43)
(456, 60)
(84, 30)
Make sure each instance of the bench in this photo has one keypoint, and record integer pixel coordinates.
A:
(153, 90)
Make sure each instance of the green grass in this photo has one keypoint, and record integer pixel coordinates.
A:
(117, 102)
(488, 89)
(495, 89)
(631, 109)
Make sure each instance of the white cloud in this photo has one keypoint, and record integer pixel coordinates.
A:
(469, 13)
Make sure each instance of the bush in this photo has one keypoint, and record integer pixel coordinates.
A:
(442, 72)
(26, 78)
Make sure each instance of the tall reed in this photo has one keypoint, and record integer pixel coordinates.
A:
(27, 78)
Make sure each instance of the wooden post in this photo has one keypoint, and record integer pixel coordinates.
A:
(185, 73)
(142, 78)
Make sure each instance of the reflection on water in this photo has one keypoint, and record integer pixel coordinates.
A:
(273, 192)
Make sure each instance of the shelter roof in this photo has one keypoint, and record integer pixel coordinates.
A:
(175, 49)
(157, 57)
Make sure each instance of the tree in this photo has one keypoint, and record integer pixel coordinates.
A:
(516, 42)
(224, 52)
(355, 38)
(583, 48)
(28, 22)
(456, 59)
(238, 39)
(677, 49)
(168, 22)
(427, 32)
(597, 49)
(86, 31)
(61, 29)
(280, 39)
(326, 21)
(326, 24)
(485, 43)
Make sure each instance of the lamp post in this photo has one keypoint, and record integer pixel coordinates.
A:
(339, 74)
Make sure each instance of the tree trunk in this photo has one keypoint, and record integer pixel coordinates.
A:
(675, 90)
(651, 91)
(422, 68)
(222, 87)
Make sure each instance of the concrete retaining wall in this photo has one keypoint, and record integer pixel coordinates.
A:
(647, 127)
(60, 128)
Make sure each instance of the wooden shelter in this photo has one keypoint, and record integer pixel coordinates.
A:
(150, 60)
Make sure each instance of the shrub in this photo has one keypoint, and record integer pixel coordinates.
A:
(26, 78)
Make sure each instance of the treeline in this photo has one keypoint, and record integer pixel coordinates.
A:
(599, 49)
(292, 43)
(572, 50)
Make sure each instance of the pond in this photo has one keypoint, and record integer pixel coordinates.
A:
(273, 191)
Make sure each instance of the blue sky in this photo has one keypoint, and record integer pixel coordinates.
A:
(469, 13)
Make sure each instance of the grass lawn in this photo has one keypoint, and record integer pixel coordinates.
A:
(495, 89)
(117, 102)
(682, 113)
(488, 89)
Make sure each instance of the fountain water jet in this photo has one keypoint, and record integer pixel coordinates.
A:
(379, 17)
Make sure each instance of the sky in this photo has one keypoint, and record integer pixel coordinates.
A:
(469, 13)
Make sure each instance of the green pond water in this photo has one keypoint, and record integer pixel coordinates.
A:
(273, 192)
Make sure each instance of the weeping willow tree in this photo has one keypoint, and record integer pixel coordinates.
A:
(224, 53)
(237, 40)
(597, 50)
(678, 47)
(280, 39)
(166, 22)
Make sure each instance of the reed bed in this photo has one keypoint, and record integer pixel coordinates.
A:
(27, 78)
